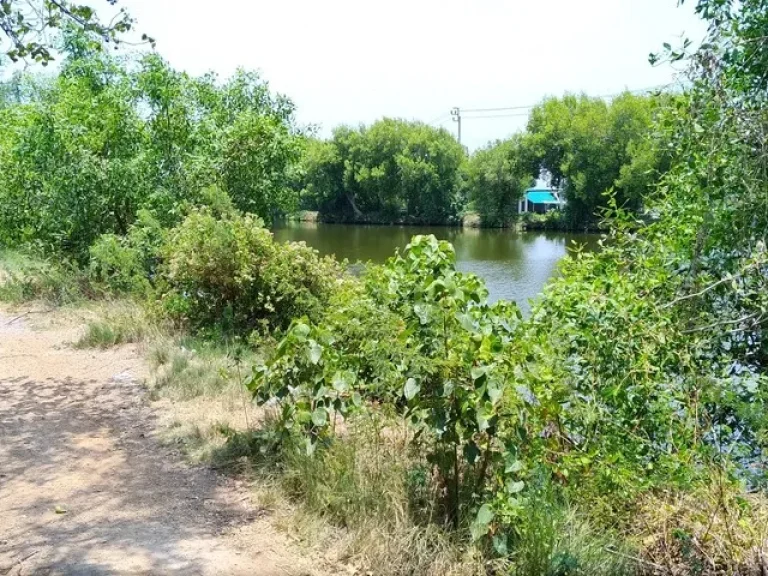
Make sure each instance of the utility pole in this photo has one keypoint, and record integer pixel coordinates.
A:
(456, 114)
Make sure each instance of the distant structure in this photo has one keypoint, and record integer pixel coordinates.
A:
(540, 201)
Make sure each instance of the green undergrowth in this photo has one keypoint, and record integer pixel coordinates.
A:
(25, 277)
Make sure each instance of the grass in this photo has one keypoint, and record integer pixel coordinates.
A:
(119, 323)
(367, 500)
(716, 529)
(24, 277)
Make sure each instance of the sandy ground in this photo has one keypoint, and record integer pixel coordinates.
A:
(86, 488)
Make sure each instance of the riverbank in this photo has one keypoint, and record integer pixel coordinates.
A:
(553, 221)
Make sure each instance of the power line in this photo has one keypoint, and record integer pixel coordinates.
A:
(440, 119)
(494, 116)
(498, 109)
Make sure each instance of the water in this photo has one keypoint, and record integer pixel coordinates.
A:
(514, 265)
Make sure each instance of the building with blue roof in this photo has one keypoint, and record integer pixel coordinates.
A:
(540, 200)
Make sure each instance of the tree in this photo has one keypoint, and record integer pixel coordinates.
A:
(390, 171)
(590, 147)
(82, 154)
(25, 23)
(497, 180)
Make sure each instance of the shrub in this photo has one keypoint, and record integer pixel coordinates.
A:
(228, 273)
(128, 263)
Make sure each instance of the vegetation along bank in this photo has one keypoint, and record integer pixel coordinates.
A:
(619, 429)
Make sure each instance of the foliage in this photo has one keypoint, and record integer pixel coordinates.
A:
(83, 155)
(589, 148)
(713, 529)
(25, 25)
(128, 264)
(642, 367)
(444, 368)
(391, 171)
(26, 277)
(228, 272)
(551, 220)
(497, 180)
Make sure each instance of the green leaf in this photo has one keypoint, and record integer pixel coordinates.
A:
(301, 330)
(481, 417)
(515, 487)
(315, 352)
(342, 381)
(478, 372)
(500, 544)
(495, 391)
(485, 515)
(466, 322)
(479, 527)
(411, 388)
(320, 417)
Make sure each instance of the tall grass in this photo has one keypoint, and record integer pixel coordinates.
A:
(25, 277)
(119, 323)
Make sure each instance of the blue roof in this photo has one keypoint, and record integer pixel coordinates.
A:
(541, 196)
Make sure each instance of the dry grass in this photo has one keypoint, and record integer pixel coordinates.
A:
(716, 530)
(116, 323)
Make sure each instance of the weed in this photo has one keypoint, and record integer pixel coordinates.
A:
(25, 277)
(118, 324)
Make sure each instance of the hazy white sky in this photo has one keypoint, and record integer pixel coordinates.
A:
(353, 61)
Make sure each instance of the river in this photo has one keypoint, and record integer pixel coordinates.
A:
(514, 265)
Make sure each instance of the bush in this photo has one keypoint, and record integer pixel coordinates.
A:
(128, 264)
(228, 273)
(552, 220)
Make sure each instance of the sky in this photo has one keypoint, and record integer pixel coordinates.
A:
(355, 61)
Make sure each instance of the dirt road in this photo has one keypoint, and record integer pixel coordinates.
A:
(87, 489)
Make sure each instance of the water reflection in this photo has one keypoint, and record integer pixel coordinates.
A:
(515, 266)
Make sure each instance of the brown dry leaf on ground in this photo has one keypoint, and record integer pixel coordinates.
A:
(86, 487)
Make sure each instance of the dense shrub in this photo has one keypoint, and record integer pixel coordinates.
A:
(83, 153)
(128, 264)
(228, 272)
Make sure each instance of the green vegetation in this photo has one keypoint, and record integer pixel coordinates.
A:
(392, 171)
(25, 25)
(497, 179)
(396, 171)
(82, 154)
(620, 429)
(117, 324)
(590, 148)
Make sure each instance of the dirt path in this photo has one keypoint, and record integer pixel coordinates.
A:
(87, 489)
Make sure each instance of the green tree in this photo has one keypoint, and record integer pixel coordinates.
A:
(81, 154)
(24, 24)
(497, 179)
(589, 148)
(391, 171)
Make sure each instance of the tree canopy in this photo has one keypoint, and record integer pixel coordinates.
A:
(497, 178)
(392, 170)
(82, 153)
(589, 147)
(25, 24)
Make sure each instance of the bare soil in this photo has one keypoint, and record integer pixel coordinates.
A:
(87, 488)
